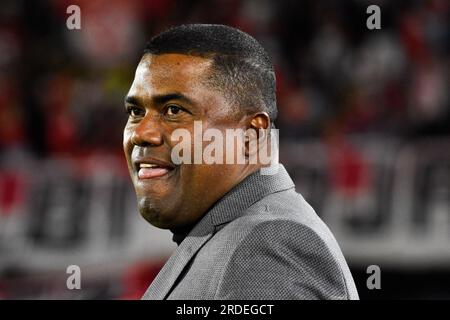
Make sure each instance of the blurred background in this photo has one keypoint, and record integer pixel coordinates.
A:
(364, 123)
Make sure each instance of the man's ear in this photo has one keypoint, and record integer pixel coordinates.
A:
(259, 124)
(260, 120)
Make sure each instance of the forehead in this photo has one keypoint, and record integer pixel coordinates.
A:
(157, 74)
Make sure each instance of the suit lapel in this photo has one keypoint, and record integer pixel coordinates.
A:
(166, 278)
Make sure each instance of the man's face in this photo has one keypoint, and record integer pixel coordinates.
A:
(169, 92)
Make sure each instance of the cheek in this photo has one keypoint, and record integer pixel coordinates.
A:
(127, 145)
(127, 133)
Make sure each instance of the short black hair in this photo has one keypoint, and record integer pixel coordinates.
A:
(245, 72)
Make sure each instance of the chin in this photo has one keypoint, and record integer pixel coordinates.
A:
(153, 214)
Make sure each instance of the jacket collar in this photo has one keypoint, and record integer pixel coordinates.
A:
(252, 189)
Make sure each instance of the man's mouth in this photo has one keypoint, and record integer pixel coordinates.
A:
(150, 171)
(153, 169)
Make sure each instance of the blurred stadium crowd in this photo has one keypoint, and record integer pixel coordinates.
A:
(359, 110)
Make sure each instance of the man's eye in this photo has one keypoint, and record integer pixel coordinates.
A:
(135, 112)
(173, 110)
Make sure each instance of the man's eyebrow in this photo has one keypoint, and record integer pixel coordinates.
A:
(160, 98)
(132, 100)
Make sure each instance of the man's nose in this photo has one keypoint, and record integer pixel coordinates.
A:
(148, 132)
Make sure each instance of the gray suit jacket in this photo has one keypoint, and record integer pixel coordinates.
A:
(260, 241)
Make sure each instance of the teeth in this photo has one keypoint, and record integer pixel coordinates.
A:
(148, 165)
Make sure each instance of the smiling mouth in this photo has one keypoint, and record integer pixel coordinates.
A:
(152, 171)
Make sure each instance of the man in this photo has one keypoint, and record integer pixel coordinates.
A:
(241, 234)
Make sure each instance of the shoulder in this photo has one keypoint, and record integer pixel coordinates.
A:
(284, 251)
(282, 216)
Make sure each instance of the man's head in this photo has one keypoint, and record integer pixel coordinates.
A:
(210, 73)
